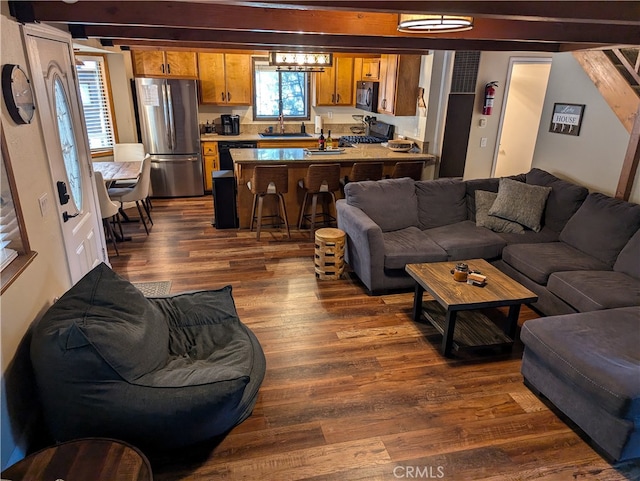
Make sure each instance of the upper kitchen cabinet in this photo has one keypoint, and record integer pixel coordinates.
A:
(370, 69)
(399, 78)
(334, 86)
(225, 78)
(168, 64)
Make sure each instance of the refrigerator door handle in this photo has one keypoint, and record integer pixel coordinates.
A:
(172, 128)
(165, 112)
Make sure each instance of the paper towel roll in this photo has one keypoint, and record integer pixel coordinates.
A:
(318, 124)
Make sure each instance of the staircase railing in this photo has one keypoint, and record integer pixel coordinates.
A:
(627, 60)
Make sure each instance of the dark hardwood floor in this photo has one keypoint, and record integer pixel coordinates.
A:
(354, 389)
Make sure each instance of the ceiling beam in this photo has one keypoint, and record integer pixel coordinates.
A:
(269, 40)
(243, 18)
(260, 23)
(610, 11)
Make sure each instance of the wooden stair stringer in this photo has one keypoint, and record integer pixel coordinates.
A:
(612, 85)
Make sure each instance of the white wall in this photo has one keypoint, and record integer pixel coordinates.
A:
(493, 66)
(47, 277)
(595, 157)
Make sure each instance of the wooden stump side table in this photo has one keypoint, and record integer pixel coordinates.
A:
(329, 253)
(95, 459)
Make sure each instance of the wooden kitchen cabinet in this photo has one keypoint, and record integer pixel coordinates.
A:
(370, 69)
(168, 64)
(225, 78)
(335, 85)
(399, 79)
(211, 161)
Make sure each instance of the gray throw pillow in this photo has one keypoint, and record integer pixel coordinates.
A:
(484, 201)
(521, 203)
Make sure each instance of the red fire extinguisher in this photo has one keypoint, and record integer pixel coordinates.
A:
(489, 95)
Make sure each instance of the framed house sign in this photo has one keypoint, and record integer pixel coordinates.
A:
(566, 119)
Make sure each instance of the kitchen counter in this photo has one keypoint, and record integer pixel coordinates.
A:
(298, 161)
(361, 152)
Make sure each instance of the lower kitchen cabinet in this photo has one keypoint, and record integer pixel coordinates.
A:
(211, 161)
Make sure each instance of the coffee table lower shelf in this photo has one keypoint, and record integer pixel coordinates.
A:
(473, 329)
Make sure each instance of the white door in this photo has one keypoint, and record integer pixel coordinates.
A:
(52, 66)
(522, 107)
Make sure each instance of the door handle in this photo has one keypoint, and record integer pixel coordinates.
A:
(228, 96)
(172, 127)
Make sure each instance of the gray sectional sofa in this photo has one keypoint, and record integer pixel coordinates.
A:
(578, 251)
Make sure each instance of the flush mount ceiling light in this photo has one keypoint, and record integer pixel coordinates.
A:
(427, 23)
(301, 61)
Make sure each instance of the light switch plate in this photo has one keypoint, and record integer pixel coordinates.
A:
(43, 201)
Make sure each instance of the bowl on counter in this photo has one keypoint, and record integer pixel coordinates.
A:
(400, 145)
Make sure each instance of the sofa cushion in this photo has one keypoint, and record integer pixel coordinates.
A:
(530, 237)
(465, 240)
(602, 226)
(441, 202)
(521, 203)
(539, 261)
(107, 312)
(390, 203)
(628, 260)
(595, 290)
(484, 201)
(410, 246)
(595, 352)
(564, 200)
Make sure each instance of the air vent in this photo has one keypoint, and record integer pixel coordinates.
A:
(465, 72)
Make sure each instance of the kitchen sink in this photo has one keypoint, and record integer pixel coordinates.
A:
(286, 134)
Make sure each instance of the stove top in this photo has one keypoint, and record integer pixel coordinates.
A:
(378, 132)
(362, 139)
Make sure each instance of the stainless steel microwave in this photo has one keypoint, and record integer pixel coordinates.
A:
(367, 96)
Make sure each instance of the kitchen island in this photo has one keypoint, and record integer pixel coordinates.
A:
(298, 161)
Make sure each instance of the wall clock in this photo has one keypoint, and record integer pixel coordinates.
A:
(18, 94)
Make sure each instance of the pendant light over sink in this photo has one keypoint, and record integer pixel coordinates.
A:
(433, 23)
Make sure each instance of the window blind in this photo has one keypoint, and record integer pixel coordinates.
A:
(94, 92)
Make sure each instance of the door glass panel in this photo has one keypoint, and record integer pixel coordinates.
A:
(68, 143)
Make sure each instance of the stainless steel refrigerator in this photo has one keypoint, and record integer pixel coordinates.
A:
(168, 115)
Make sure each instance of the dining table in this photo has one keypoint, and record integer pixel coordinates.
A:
(117, 171)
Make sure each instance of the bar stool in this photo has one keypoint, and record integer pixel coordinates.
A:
(269, 180)
(408, 169)
(321, 180)
(364, 171)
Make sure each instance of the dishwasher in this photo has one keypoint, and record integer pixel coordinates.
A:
(224, 191)
(226, 162)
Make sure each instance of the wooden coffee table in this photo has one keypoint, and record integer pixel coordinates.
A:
(95, 459)
(455, 309)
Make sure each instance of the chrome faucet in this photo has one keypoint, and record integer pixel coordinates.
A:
(281, 120)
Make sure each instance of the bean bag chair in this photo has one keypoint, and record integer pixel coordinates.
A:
(160, 373)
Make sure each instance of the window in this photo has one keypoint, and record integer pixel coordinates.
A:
(15, 254)
(275, 90)
(93, 80)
